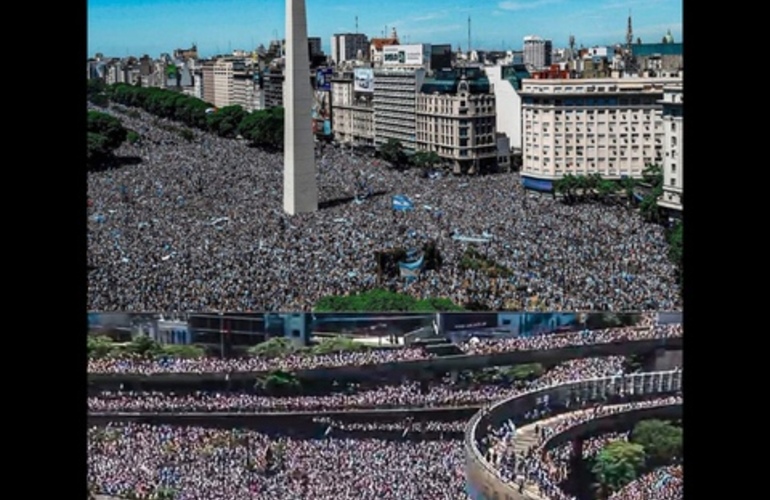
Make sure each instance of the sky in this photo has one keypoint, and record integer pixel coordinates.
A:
(118, 28)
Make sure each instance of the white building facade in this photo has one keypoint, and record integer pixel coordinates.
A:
(459, 126)
(673, 159)
(537, 52)
(393, 102)
(506, 85)
(611, 127)
(352, 109)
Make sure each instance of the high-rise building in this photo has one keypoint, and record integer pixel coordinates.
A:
(611, 127)
(395, 93)
(455, 118)
(673, 159)
(352, 107)
(345, 46)
(207, 81)
(537, 52)
(224, 69)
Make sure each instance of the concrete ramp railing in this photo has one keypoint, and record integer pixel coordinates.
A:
(484, 481)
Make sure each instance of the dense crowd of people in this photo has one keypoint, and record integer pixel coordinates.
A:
(556, 341)
(199, 225)
(665, 483)
(533, 466)
(404, 395)
(293, 362)
(193, 463)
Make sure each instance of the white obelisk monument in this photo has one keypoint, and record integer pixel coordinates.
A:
(300, 193)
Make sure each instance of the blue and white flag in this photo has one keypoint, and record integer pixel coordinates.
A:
(402, 202)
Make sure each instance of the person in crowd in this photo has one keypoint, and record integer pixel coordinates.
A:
(199, 225)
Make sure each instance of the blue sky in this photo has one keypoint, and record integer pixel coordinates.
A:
(137, 27)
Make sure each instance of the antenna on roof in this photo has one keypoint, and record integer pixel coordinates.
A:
(469, 37)
(356, 25)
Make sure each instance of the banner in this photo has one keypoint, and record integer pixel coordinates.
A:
(402, 203)
(363, 80)
(323, 79)
(411, 270)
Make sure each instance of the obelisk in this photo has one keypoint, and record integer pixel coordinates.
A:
(300, 193)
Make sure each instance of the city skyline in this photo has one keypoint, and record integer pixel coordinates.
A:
(118, 28)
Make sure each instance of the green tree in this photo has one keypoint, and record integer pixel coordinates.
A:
(393, 151)
(99, 346)
(380, 300)
(144, 345)
(527, 371)
(425, 160)
(105, 134)
(183, 351)
(337, 344)
(618, 464)
(276, 347)
(264, 128)
(661, 440)
(226, 121)
(278, 382)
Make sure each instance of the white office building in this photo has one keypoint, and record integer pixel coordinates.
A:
(537, 52)
(673, 158)
(611, 127)
(394, 100)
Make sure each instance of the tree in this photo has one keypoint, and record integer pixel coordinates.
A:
(528, 371)
(425, 160)
(380, 300)
(278, 382)
(661, 440)
(183, 351)
(105, 134)
(277, 347)
(99, 346)
(144, 345)
(618, 464)
(336, 345)
(263, 128)
(393, 151)
(226, 121)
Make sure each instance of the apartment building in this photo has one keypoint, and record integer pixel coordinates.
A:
(537, 52)
(345, 46)
(224, 71)
(352, 107)
(207, 81)
(394, 96)
(272, 86)
(244, 90)
(611, 127)
(455, 117)
(673, 159)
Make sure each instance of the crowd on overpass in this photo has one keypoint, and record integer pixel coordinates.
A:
(410, 394)
(586, 337)
(214, 464)
(532, 466)
(665, 483)
(137, 365)
(199, 225)
(404, 426)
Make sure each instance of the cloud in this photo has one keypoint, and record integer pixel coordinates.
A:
(429, 17)
(525, 5)
(629, 4)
